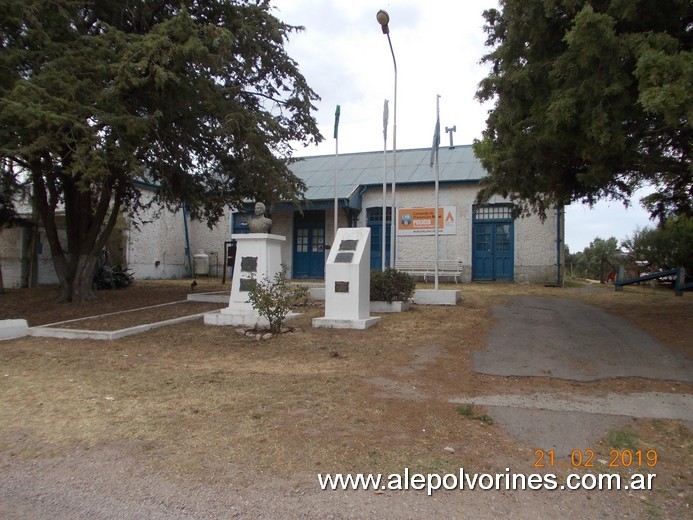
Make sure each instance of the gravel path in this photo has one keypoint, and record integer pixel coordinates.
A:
(109, 484)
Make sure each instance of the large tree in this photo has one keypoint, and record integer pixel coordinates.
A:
(198, 97)
(597, 260)
(668, 246)
(593, 98)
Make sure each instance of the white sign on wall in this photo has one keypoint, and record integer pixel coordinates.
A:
(421, 221)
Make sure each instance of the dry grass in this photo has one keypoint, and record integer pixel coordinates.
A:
(198, 400)
(39, 305)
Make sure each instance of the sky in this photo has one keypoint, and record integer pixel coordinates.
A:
(438, 45)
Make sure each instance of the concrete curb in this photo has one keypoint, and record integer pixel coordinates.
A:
(12, 329)
(54, 332)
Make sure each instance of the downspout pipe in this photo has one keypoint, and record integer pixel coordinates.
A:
(187, 241)
(559, 246)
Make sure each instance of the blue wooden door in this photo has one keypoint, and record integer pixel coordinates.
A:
(309, 245)
(374, 220)
(482, 262)
(493, 251)
(503, 251)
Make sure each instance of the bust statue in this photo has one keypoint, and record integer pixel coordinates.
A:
(258, 223)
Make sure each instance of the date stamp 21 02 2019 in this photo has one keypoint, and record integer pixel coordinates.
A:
(623, 458)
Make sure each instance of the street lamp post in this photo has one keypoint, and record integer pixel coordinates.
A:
(384, 19)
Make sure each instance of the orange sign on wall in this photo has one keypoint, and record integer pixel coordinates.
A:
(421, 221)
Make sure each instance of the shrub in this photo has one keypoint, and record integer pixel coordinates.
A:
(391, 285)
(273, 299)
(622, 439)
(107, 277)
(468, 412)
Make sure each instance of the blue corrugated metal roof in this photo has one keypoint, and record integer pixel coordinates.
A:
(457, 164)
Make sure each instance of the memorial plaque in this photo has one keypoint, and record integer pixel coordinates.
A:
(341, 287)
(348, 245)
(246, 284)
(249, 264)
(343, 258)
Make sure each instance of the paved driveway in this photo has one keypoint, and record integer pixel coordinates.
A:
(567, 339)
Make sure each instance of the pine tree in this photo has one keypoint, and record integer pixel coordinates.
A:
(592, 99)
(198, 98)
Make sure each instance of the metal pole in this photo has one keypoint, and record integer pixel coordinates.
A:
(384, 19)
(384, 220)
(393, 229)
(437, 194)
(336, 171)
(336, 181)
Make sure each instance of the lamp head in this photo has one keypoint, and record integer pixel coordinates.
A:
(383, 19)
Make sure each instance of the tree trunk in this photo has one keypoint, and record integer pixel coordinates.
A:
(78, 287)
(89, 221)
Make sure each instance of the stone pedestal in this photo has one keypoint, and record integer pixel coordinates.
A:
(347, 282)
(258, 258)
(437, 297)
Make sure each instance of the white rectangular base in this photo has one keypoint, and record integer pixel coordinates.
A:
(440, 297)
(334, 323)
(317, 293)
(398, 306)
(226, 318)
(11, 329)
(220, 297)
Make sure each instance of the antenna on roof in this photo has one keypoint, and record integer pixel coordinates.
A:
(450, 131)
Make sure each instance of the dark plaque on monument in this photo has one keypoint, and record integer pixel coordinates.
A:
(246, 284)
(249, 264)
(341, 287)
(343, 258)
(348, 245)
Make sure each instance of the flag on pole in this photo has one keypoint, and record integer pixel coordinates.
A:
(436, 139)
(386, 116)
(336, 121)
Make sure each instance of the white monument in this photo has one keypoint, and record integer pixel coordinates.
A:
(258, 258)
(348, 282)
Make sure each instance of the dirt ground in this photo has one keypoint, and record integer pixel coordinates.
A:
(192, 421)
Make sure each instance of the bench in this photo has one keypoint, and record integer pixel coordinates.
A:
(426, 268)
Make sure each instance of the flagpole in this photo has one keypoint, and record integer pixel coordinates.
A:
(336, 171)
(436, 140)
(384, 220)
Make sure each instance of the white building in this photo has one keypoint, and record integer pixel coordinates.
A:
(486, 242)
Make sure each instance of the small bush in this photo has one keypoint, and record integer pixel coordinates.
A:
(468, 412)
(107, 277)
(273, 299)
(622, 439)
(391, 285)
